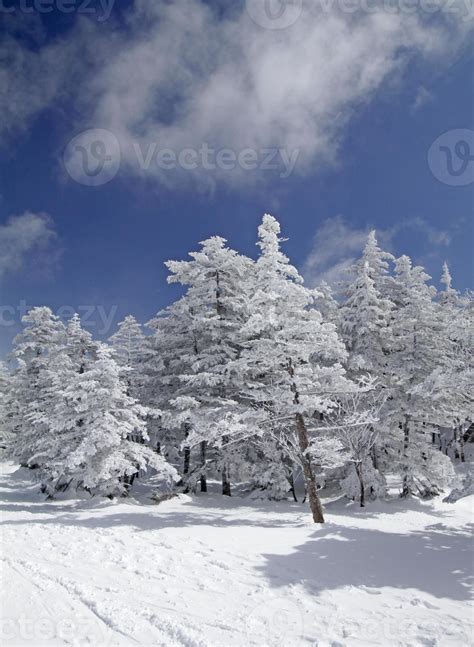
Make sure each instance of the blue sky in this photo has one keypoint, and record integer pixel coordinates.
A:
(360, 98)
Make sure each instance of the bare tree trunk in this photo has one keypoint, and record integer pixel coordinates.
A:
(203, 478)
(358, 469)
(291, 481)
(406, 490)
(310, 480)
(187, 460)
(226, 491)
(303, 441)
(461, 444)
(455, 442)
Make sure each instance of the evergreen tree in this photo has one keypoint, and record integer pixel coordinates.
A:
(206, 325)
(291, 360)
(6, 436)
(129, 344)
(93, 421)
(34, 354)
(419, 348)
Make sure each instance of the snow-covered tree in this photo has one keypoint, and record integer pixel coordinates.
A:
(450, 385)
(6, 435)
(80, 347)
(34, 353)
(419, 347)
(129, 344)
(198, 338)
(92, 421)
(291, 360)
(365, 317)
(378, 262)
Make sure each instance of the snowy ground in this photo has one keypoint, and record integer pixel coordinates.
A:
(213, 571)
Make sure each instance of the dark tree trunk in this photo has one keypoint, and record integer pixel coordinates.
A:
(358, 469)
(455, 442)
(291, 481)
(187, 460)
(226, 491)
(461, 445)
(406, 489)
(203, 478)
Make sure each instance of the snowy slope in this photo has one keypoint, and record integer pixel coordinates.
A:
(213, 571)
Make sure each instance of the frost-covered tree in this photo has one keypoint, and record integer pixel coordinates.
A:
(6, 435)
(35, 350)
(291, 360)
(327, 305)
(450, 385)
(93, 421)
(378, 262)
(356, 423)
(198, 339)
(79, 346)
(129, 344)
(419, 347)
(365, 317)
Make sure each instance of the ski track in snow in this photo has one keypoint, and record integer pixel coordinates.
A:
(208, 571)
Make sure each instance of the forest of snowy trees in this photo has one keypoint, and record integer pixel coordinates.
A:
(252, 378)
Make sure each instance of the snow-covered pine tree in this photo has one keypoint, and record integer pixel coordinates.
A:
(419, 347)
(93, 421)
(291, 362)
(378, 262)
(131, 351)
(129, 344)
(365, 318)
(80, 347)
(450, 386)
(34, 352)
(327, 305)
(5, 406)
(171, 352)
(206, 324)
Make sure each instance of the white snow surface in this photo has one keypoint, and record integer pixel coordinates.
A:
(209, 570)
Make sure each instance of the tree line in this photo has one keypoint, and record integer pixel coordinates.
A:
(252, 377)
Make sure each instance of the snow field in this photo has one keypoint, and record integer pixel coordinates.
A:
(213, 571)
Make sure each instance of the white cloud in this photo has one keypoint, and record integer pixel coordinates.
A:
(182, 75)
(23, 239)
(423, 97)
(336, 247)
